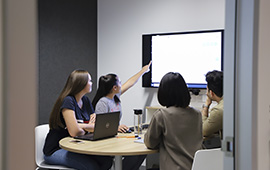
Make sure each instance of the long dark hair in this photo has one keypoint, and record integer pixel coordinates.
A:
(105, 85)
(76, 82)
(173, 91)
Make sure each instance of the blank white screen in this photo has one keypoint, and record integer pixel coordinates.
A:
(192, 55)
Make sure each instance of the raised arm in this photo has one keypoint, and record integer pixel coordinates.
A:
(133, 80)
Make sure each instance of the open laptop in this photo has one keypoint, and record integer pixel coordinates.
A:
(106, 126)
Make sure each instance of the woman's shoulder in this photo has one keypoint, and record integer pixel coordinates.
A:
(85, 98)
(69, 102)
(161, 112)
(195, 110)
(104, 100)
(177, 110)
(69, 99)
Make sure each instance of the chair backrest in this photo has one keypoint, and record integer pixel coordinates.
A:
(41, 132)
(208, 159)
(40, 135)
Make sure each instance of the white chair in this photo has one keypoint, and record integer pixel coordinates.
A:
(208, 159)
(40, 135)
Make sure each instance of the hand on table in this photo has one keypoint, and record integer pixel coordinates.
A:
(122, 128)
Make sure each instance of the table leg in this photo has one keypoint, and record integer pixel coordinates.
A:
(118, 162)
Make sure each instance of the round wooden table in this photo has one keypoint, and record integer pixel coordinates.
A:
(119, 146)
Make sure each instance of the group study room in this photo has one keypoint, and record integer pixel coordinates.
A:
(137, 123)
(168, 135)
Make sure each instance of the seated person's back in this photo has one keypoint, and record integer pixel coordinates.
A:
(177, 129)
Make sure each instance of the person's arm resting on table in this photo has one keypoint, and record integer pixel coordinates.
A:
(75, 129)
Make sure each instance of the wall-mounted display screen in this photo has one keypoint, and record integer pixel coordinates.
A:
(192, 54)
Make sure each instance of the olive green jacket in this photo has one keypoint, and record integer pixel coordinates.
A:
(214, 122)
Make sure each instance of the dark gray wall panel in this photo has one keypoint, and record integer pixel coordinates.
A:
(67, 41)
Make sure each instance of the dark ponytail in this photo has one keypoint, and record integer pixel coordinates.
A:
(105, 85)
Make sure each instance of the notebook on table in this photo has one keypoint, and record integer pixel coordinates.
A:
(106, 126)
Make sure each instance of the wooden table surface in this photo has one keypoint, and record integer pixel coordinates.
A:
(112, 146)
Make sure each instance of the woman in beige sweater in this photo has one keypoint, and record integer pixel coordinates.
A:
(175, 130)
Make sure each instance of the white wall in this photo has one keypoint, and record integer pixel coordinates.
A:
(121, 24)
(263, 119)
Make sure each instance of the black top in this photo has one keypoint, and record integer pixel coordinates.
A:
(82, 115)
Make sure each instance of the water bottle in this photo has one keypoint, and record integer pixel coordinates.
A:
(137, 121)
